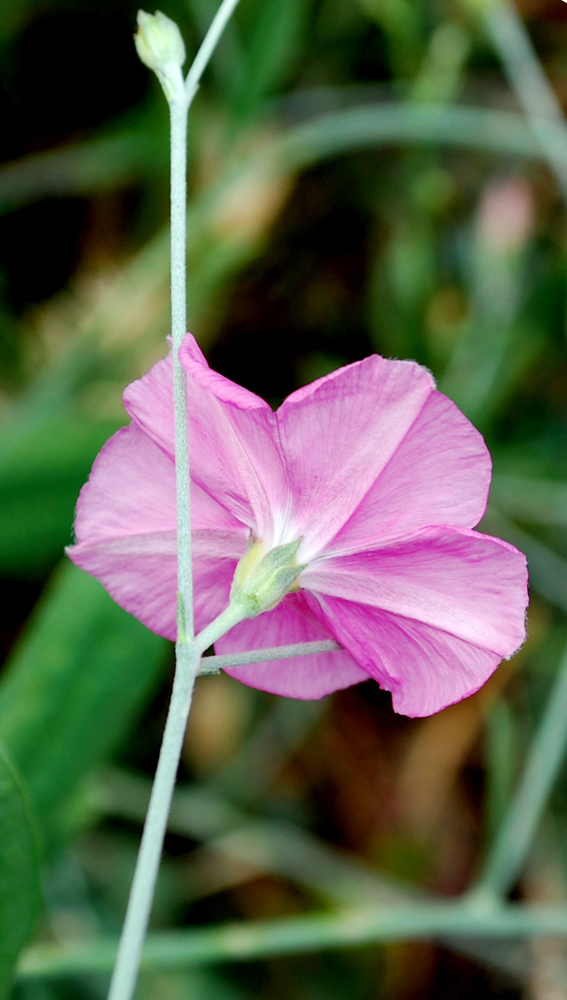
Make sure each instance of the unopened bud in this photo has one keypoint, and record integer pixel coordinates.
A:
(263, 578)
(160, 46)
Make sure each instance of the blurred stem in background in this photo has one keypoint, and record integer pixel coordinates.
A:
(512, 843)
(490, 352)
(527, 76)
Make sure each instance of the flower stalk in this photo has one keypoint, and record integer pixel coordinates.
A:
(187, 657)
(178, 129)
(160, 46)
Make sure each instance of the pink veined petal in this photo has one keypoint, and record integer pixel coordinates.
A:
(233, 446)
(424, 668)
(126, 531)
(439, 474)
(131, 491)
(301, 677)
(339, 433)
(470, 585)
(140, 574)
(212, 579)
(149, 403)
(235, 453)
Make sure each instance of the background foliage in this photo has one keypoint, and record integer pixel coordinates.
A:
(363, 177)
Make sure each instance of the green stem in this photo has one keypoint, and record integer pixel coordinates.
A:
(140, 900)
(147, 865)
(208, 46)
(178, 121)
(188, 650)
(212, 664)
(345, 928)
(511, 847)
(187, 654)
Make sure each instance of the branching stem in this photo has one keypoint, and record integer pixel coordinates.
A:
(188, 649)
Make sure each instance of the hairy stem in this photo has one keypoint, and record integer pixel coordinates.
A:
(188, 650)
(142, 892)
(147, 865)
(214, 664)
(178, 119)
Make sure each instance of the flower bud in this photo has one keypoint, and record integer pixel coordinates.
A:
(160, 47)
(263, 578)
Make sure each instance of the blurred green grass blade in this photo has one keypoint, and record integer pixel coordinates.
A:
(117, 159)
(339, 132)
(440, 75)
(112, 160)
(273, 846)
(271, 744)
(345, 928)
(488, 361)
(19, 871)
(528, 78)
(547, 569)
(199, 812)
(512, 844)
(145, 277)
(401, 21)
(104, 162)
(196, 984)
(486, 366)
(42, 468)
(528, 499)
(501, 753)
(273, 47)
(72, 687)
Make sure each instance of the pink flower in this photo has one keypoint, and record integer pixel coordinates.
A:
(381, 476)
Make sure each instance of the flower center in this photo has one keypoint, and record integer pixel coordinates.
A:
(264, 576)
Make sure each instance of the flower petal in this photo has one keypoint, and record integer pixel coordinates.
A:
(131, 489)
(149, 403)
(339, 433)
(302, 677)
(126, 533)
(232, 437)
(140, 574)
(235, 453)
(439, 474)
(425, 668)
(464, 583)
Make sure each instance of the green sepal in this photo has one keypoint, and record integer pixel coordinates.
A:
(263, 578)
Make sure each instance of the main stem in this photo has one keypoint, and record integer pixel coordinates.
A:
(187, 652)
(129, 954)
(127, 964)
(188, 649)
(178, 117)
